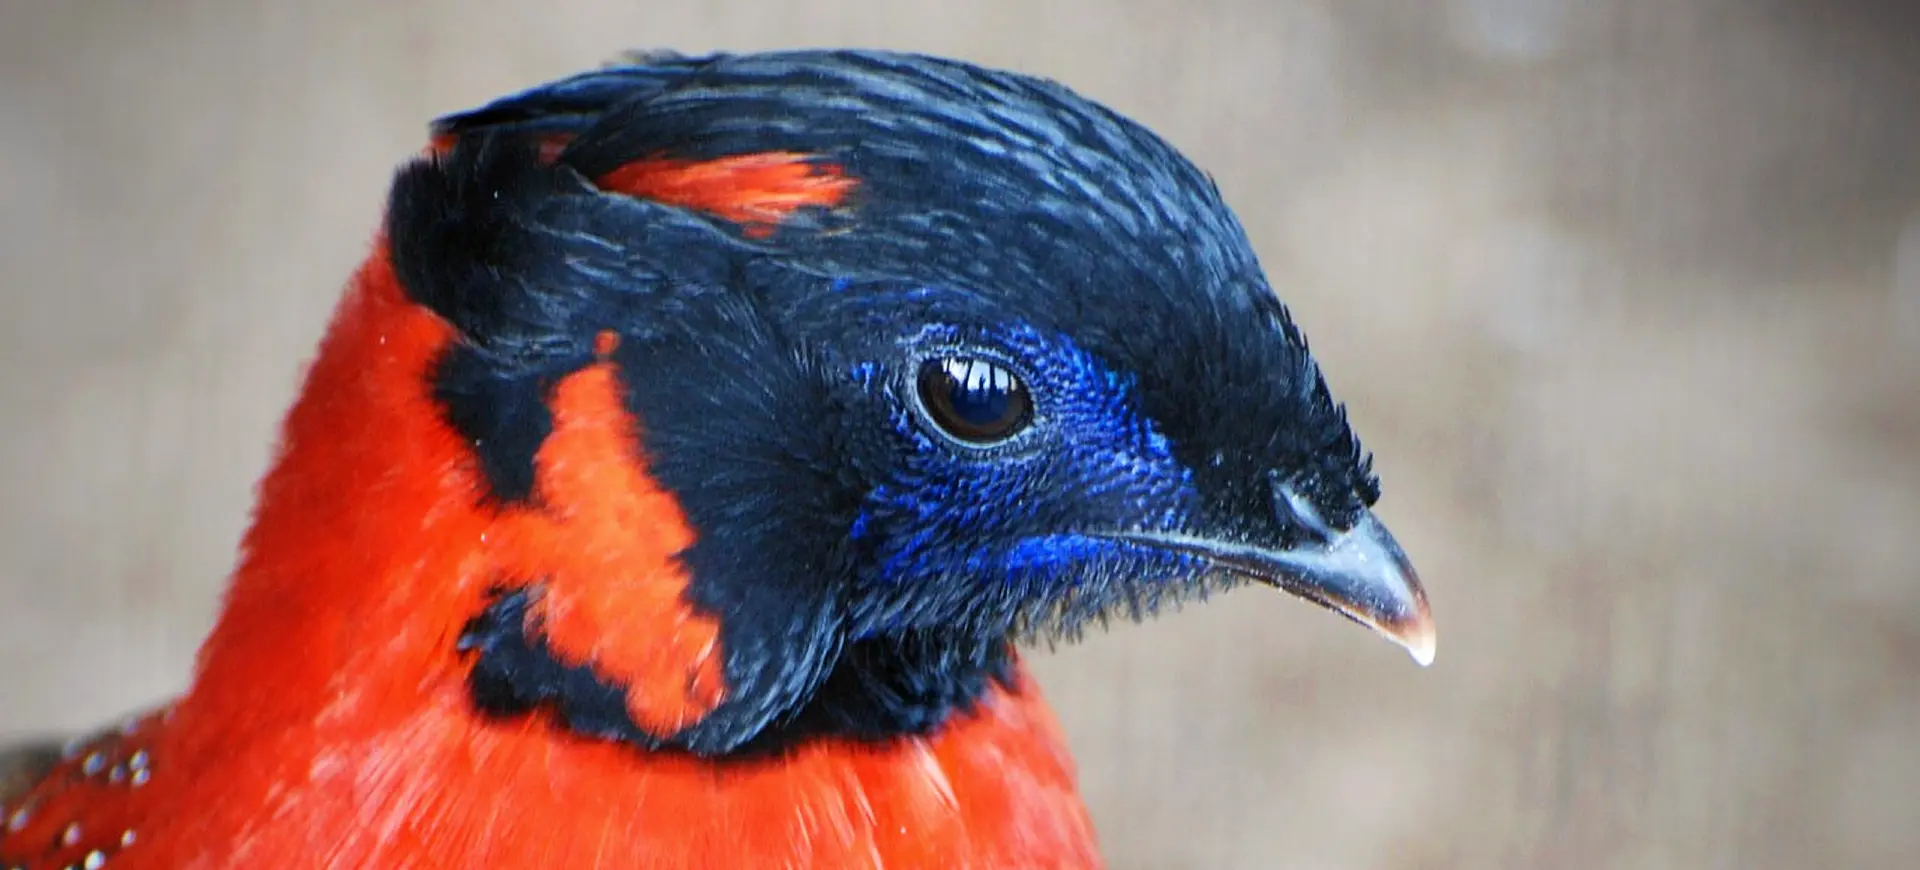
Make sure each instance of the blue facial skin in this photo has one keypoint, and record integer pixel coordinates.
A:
(1007, 534)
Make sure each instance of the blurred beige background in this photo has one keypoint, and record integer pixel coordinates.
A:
(1624, 293)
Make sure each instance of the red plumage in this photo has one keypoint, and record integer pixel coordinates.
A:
(368, 555)
(570, 266)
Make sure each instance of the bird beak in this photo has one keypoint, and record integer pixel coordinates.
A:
(1361, 574)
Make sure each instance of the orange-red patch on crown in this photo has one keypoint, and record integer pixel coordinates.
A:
(757, 191)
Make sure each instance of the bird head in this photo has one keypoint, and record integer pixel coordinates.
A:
(925, 358)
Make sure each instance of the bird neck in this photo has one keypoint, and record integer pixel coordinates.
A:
(375, 542)
(382, 571)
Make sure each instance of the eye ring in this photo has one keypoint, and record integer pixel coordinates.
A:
(976, 401)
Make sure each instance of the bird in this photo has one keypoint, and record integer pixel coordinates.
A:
(690, 462)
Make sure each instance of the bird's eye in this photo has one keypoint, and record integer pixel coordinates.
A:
(975, 401)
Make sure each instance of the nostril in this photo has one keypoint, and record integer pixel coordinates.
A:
(1290, 502)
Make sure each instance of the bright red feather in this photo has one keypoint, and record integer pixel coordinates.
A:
(329, 723)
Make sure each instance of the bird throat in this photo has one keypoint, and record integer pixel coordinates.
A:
(878, 690)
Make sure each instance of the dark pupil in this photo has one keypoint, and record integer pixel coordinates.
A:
(972, 399)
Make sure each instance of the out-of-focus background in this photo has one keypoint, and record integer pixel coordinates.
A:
(1625, 295)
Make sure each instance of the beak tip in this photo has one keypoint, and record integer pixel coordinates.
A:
(1417, 635)
(1421, 647)
(1413, 632)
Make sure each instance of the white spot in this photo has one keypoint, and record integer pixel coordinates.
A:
(126, 838)
(1509, 30)
(19, 819)
(70, 835)
(141, 776)
(95, 860)
(138, 761)
(94, 763)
